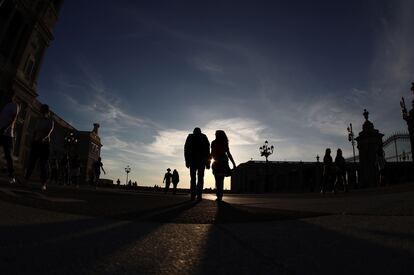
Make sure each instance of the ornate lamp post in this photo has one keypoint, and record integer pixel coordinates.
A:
(266, 151)
(71, 140)
(70, 143)
(351, 139)
(408, 116)
(127, 170)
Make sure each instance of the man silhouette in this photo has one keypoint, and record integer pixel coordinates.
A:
(197, 158)
(8, 117)
(40, 145)
(167, 180)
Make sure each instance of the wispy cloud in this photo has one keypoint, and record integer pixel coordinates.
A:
(205, 65)
(393, 63)
(97, 102)
(241, 131)
(169, 143)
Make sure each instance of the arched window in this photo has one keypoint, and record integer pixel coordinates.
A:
(29, 67)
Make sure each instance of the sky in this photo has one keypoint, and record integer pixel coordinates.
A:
(295, 73)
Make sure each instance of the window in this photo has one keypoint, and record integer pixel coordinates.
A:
(29, 68)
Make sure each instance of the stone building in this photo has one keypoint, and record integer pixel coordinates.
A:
(283, 176)
(276, 176)
(26, 31)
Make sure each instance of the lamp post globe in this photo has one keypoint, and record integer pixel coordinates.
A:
(127, 170)
(266, 150)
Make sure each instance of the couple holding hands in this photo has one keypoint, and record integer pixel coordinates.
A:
(198, 157)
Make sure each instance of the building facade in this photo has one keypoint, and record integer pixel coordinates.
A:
(276, 176)
(396, 147)
(26, 31)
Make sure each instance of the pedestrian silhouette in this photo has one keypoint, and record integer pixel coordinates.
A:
(328, 171)
(409, 118)
(8, 116)
(75, 167)
(54, 168)
(64, 169)
(167, 180)
(380, 163)
(40, 145)
(340, 171)
(175, 180)
(97, 167)
(220, 153)
(197, 158)
(118, 182)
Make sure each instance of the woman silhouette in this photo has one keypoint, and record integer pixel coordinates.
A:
(220, 153)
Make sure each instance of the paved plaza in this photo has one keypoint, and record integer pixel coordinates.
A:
(85, 231)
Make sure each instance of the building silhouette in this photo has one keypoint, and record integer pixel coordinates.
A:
(26, 31)
(396, 148)
(279, 176)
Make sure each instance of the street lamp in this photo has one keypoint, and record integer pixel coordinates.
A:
(351, 139)
(70, 142)
(127, 170)
(265, 150)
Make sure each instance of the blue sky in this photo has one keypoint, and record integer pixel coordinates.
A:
(295, 73)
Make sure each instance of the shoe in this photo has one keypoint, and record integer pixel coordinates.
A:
(44, 187)
(12, 180)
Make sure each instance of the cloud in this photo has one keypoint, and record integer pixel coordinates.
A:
(330, 117)
(393, 62)
(168, 143)
(97, 102)
(206, 65)
(240, 131)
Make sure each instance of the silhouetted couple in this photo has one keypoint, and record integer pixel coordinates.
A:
(334, 173)
(168, 178)
(197, 159)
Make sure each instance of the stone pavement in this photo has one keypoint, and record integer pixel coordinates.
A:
(69, 231)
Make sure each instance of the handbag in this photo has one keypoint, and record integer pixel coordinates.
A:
(221, 166)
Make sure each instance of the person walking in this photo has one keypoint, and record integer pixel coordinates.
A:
(340, 171)
(40, 145)
(175, 180)
(64, 167)
(97, 167)
(75, 167)
(220, 153)
(409, 118)
(197, 158)
(380, 163)
(54, 168)
(327, 170)
(8, 117)
(167, 180)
